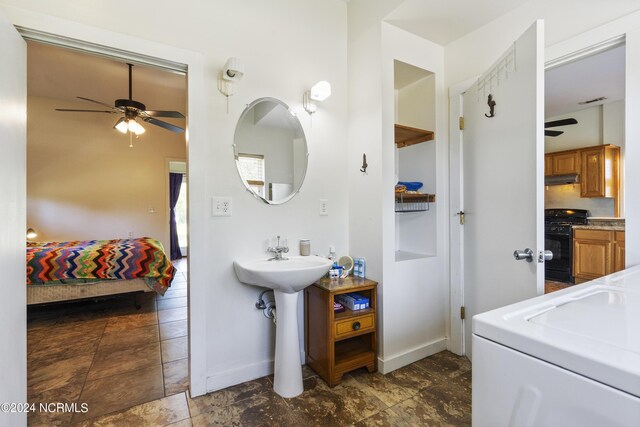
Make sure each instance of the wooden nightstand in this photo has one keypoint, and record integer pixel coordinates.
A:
(336, 343)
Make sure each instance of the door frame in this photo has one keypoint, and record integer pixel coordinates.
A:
(456, 204)
(83, 37)
(560, 56)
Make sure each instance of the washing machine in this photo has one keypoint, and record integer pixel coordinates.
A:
(569, 358)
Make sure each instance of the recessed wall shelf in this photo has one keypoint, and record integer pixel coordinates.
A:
(411, 202)
(406, 136)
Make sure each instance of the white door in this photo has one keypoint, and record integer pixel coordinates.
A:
(503, 168)
(13, 142)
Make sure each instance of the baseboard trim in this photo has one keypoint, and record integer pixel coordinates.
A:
(403, 359)
(242, 374)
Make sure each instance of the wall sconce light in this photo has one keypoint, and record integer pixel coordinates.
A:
(230, 74)
(319, 92)
(31, 233)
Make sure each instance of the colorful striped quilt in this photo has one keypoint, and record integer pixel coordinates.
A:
(121, 259)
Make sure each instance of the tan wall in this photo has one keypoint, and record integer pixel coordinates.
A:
(84, 182)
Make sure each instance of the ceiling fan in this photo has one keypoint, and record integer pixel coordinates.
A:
(131, 110)
(556, 123)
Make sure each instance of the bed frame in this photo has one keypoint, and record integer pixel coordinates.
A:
(39, 294)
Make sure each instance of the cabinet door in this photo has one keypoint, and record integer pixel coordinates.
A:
(592, 176)
(592, 258)
(548, 164)
(564, 163)
(618, 251)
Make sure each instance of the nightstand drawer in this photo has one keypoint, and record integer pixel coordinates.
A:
(354, 326)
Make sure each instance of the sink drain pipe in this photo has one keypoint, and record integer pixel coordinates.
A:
(268, 308)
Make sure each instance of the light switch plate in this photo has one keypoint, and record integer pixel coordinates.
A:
(221, 206)
(324, 207)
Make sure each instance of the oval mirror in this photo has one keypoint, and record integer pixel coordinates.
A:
(270, 150)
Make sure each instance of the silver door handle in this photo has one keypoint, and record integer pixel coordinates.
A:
(526, 254)
(547, 255)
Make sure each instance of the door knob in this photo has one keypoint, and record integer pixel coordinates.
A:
(546, 255)
(527, 254)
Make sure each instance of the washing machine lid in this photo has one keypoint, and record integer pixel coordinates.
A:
(591, 329)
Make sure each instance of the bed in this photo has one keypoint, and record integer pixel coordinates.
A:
(63, 271)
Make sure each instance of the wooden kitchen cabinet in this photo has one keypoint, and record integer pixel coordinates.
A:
(600, 172)
(336, 343)
(562, 163)
(597, 253)
(618, 251)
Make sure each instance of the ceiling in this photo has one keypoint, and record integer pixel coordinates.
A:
(445, 21)
(589, 78)
(63, 74)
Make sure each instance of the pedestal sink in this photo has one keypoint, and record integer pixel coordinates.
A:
(287, 278)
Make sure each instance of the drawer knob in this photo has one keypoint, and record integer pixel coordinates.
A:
(356, 326)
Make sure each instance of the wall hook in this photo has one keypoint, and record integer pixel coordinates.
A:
(492, 104)
(364, 163)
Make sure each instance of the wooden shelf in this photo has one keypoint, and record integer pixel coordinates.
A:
(415, 198)
(347, 313)
(406, 136)
(352, 350)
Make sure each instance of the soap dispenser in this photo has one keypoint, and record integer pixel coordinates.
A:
(332, 253)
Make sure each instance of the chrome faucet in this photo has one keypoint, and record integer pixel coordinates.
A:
(277, 251)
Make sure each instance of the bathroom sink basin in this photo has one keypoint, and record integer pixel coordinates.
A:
(288, 276)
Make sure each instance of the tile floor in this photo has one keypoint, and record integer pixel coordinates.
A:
(108, 354)
(435, 391)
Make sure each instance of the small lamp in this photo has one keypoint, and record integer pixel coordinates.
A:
(31, 233)
(319, 92)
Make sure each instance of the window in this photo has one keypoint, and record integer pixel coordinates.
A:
(181, 215)
(252, 169)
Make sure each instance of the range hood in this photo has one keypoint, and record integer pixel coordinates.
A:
(570, 178)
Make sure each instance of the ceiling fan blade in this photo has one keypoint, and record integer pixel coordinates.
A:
(87, 111)
(162, 124)
(553, 132)
(98, 102)
(158, 113)
(563, 122)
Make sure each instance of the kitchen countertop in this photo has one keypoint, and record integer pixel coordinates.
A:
(607, 224)
(599, 227)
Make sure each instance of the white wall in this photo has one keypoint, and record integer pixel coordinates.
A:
(414, 304)
(587, 133)
(85, 182)
(414, 327)
(283, 59)
(13, 309)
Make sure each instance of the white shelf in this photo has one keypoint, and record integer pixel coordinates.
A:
(407, 256)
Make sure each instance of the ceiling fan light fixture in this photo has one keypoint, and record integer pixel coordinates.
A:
(135, 127)
(121, 125)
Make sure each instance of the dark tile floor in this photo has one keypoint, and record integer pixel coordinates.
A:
(108, 354)
(435, 391)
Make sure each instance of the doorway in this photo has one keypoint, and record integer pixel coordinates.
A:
(134, 345)
(457, 296)
(584, 116)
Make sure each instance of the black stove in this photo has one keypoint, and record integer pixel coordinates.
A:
(559, 240)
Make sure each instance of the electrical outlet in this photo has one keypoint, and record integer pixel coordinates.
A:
(221, 206)
(130, 234)
(324, 207)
